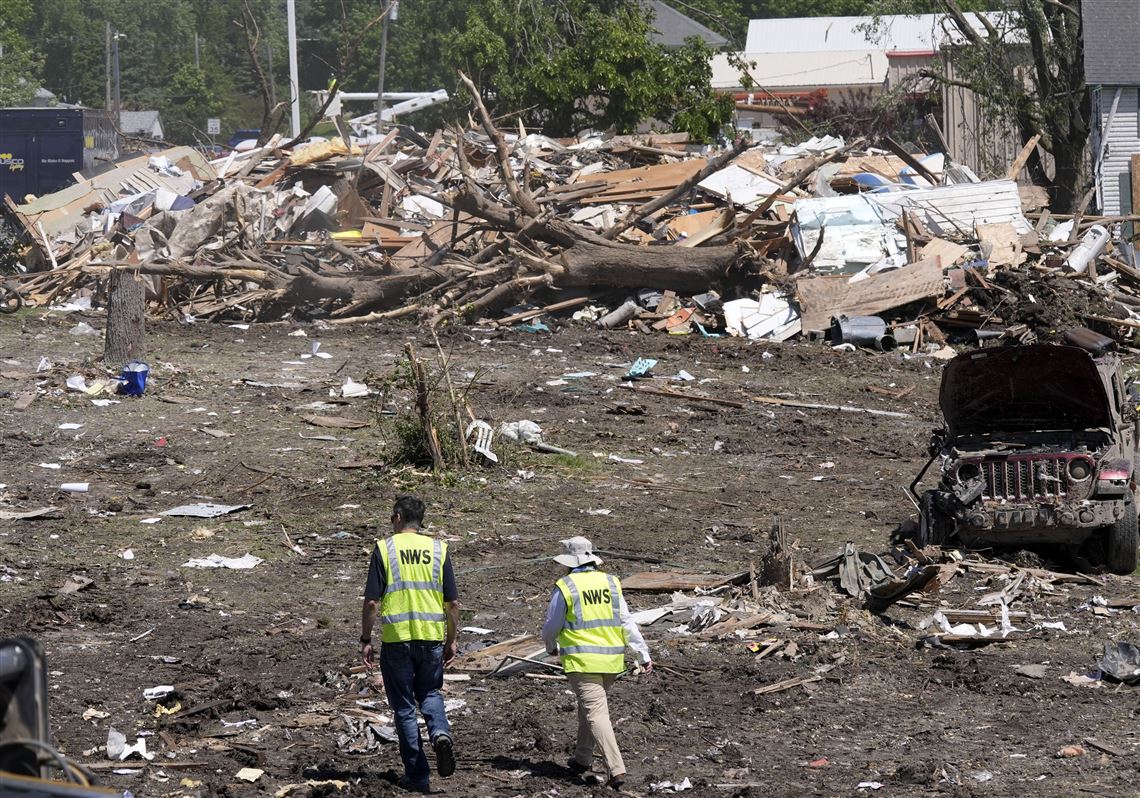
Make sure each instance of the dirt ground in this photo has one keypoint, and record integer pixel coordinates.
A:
(275, 644)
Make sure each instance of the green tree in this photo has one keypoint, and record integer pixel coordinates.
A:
(189, 101)
(1027, 68)
(20, 65)
(559, 67)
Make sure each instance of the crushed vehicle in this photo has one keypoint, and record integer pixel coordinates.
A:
(1039, 446)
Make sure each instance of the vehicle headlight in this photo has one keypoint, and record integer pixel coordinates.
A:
(967, 472)
(1079, 470)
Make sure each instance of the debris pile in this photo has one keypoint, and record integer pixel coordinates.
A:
(867, 247)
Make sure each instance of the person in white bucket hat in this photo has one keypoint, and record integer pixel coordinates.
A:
(589, 626)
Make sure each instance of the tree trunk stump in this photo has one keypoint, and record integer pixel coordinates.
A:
(125, 339)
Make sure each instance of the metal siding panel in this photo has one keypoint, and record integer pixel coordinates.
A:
(1123, 141)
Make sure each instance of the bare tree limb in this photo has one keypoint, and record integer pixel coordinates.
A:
(521, 196)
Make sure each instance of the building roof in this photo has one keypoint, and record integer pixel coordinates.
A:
(139, 121)
(1111, 29)
(920, 32)
(795, 70)
(671, 27)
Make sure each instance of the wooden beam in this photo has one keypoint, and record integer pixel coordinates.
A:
(1023, 156)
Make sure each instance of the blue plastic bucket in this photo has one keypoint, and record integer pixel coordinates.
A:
(133, 378)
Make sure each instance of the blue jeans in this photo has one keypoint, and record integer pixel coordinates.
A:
(413, 676)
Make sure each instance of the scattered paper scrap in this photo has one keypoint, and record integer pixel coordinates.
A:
(218, 561)
(352, 389)
(249, 774)
(205, 510)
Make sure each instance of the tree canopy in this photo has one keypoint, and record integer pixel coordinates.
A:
(19, 64)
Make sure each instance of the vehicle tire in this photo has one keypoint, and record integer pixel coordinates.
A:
(934, 528)
(10, 299)
(1123, 541)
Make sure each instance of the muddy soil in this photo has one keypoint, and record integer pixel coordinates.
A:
(697, 485)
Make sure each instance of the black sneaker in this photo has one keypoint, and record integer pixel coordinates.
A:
(617, 782)
(576, 766)
(444, 755)
(411, 786)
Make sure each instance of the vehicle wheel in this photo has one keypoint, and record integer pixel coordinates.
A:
(10, 299)
(934, 528)
(1123, 542)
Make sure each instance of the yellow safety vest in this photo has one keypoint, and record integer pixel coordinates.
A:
(412, 605)
(592, 639)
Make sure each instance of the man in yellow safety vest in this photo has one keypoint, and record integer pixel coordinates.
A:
(412, 579)
(589, 626)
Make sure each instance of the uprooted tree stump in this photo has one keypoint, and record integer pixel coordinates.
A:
(125, 337)
(777, 566)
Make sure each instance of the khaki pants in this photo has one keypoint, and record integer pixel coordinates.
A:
(594, 727)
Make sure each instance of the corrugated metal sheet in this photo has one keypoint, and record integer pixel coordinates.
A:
(903, 67)
(951, 210)
(804, 70)
(1123, 140)
(1111, 29)
(977, 139)
(860, 229)
(821, 34)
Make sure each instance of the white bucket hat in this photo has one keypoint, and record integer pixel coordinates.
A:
(578, 551)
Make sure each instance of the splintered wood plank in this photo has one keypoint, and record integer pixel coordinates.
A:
(825, 297)
(491, 657)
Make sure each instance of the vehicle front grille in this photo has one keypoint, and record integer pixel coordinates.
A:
(1024, 478)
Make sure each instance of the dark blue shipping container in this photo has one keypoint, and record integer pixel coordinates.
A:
(40, 150)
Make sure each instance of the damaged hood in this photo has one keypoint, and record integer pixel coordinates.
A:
(1023, 388)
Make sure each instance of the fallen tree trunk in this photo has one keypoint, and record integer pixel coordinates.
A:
(663, 267)
(361, 293)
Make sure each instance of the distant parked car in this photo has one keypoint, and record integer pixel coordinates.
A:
(242, 135)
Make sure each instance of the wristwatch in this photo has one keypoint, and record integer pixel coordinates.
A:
(365, 640)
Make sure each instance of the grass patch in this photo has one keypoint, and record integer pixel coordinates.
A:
(580, 464)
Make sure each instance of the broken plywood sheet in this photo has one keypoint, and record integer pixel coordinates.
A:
(641, 182)
(441, 233)
(722, 224)
(1002, 243)
(753, 159)
(822, 298)
(687, 224)
(885, 166)
(947, 250)
(668, 581)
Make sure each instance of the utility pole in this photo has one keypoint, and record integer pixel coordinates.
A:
(383, 61)
(115, 74)
(107, 69)
(294, 82)
(197, 59)
(272, 78)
